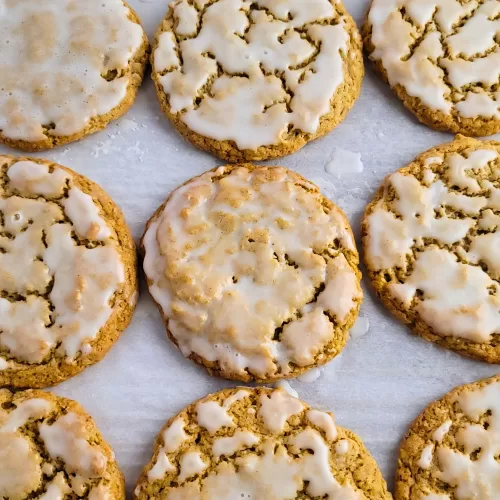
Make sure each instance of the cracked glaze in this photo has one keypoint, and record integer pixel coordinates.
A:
(253, 270)
(46, 455)
(55, 61)
(251, 72)
(432, 237)
(446, 53)
(268, 446)
(60, 266)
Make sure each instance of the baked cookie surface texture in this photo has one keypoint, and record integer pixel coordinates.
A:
(250, 80)
(431, 243)
(442, 58)
(259, 444)
(68, 281)
(451, 450)
(67, 68)
(50, 449)
(254, 271)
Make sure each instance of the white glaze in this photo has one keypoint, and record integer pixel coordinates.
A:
(285, 385)
(425, 460)
(211, 223)
(323, 421)
(251, 110)
(360, 327)
(422, 73)
(229, 445)
(457, 299)
(191, 464)
(344, 162)
(277, 408)
(439, 434)
(67, 439)
(84, 279)
(342, 447)
(468, 477)
(52, 65)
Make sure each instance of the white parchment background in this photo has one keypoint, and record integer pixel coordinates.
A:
(382, 380)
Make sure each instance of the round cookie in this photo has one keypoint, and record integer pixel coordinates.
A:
(68, 69)
(68, 280)
(251, 80)
(431, 240)
(451, 450)
(441, 58)
(258, 443)
(51, 449)
(254, 271)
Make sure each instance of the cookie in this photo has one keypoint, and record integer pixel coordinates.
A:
(68, 69)
(51, 449)
(258, 443)
(431, 240)
(441, 58)
(68, 280)
(451, 450)
(251, 80)
(254, 271)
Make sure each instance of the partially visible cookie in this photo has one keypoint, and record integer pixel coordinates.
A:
(451, 450)
(67, 69)
(51, 449)
(250, 80)
(258, 443)
(68, 280)
(254, 271)
(441, 58)
(431, 242)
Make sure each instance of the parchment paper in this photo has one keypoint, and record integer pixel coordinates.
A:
(382, 380)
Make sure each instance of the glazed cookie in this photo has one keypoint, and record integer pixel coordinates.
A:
(51, 449)
(431, 242)
(68, 281)
(262, 444)
(255, 272)
(250, 80)
(451, 450)
(442, 58)
(68, 68)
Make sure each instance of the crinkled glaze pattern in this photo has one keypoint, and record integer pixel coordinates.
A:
(65, 64)
(262, 444)
(442, 58)
(67, 272)
(256, 74)
(50, 449)
(255, 272)
(432, 239)
(451, 451)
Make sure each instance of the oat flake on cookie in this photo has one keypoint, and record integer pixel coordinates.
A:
(442, 57)
(254, 271)
(249, 80)
(431, 242)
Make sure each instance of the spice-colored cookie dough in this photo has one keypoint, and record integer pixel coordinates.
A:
(262, 444)
(51, 449)
(254, 271)
(451, 450)
(68, 280)
(250, 80)
(431, 242)
(68, 68)
(442, 58)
